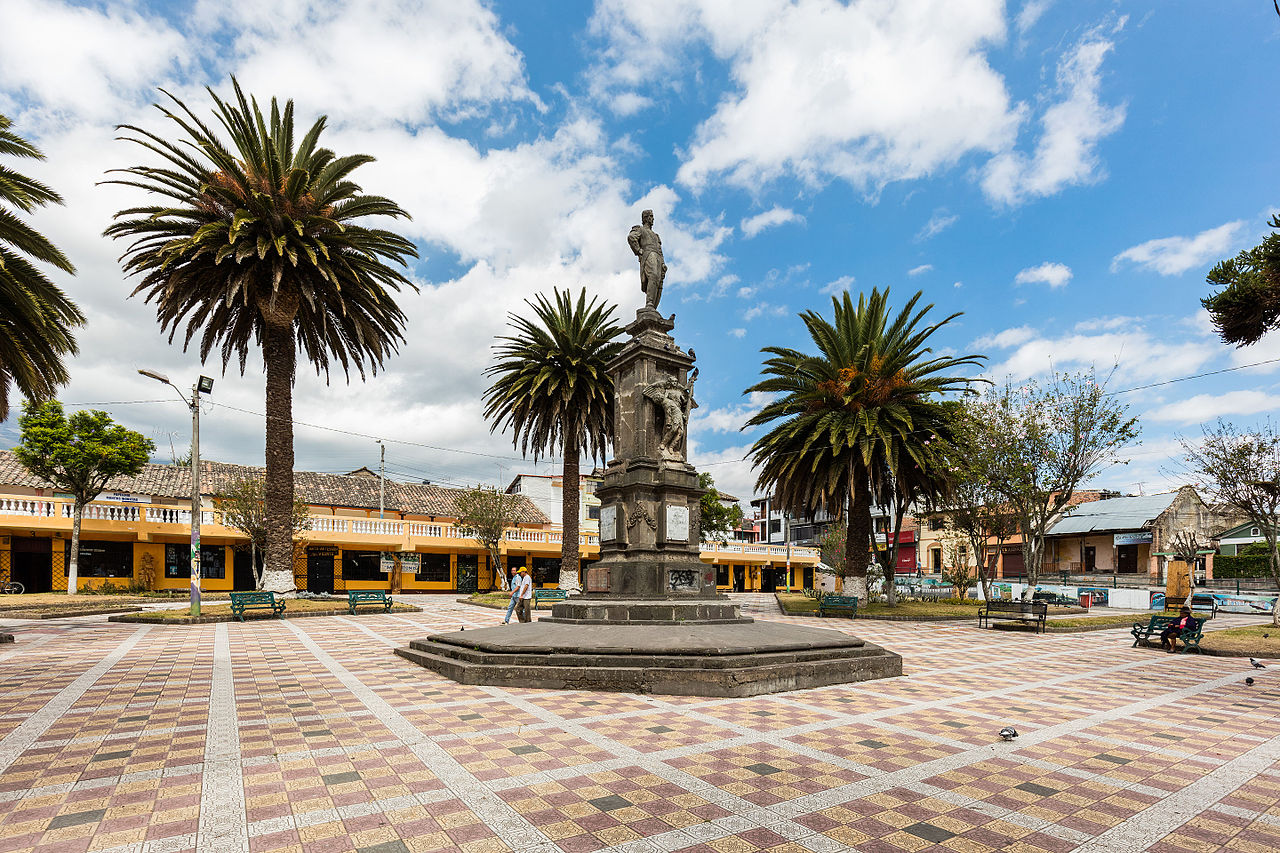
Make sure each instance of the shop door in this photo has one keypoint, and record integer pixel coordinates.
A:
(1014, 567)
(242, 577)
(808, 578)
(1127, 558)
(1090, 558)
(769, 579)
(469, 573)
(32, 563)
(739, 578)
(319, 572)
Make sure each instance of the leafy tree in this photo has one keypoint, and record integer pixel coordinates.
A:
(36, 317)
(260, 242)
(840, 417)
(1241, 468)
(1248, 305)
(80, 455)
(718, 519)
(1035, 445)
(484, 514)
(243, 507)
(835, 556)
(552, 390)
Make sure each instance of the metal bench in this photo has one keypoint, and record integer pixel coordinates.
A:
(1190, 636)
(838, 604)
(258, 600)
(1033, 612)
(357, 597)
(541, 595)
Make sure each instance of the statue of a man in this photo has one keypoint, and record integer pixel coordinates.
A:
(675, 400)
(647, 246)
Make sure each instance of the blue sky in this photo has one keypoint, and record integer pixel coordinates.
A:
(1064, 173)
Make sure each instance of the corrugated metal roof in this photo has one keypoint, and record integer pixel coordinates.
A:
(342, 490)
(1113, 514)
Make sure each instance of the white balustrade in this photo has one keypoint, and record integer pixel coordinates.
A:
(328, 524)
(376, 527)
(28, 507)
(104, 512)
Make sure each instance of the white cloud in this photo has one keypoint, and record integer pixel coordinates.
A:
(1005, 339)
(939, 222)
(1030, 14)
(1066, 152)
(1207, 407)
(771, 218)
(840, 285)
(762, 309)
(1053, 274)
(738, 333)
(920, 270)
(1176, 255)
(727, 418)
(867, 93)
(746, 292)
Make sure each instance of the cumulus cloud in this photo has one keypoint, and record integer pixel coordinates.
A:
(771, 218)
(1207, 407)
(1176, 255)
(762, 309)
(1006, 338)
(939, 222)
(727, 418)
(1066, 153)
(920, 270)
(738, 333)
(1053, 274)
(840, 285)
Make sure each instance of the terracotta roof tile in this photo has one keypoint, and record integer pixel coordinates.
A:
(358, 491)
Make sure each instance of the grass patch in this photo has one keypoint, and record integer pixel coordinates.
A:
(54, 605)
(1259, 641)
(1097, 623)
(798, 604)
(490, 599)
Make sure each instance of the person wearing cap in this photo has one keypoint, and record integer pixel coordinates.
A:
(522, 585)
(515, 595)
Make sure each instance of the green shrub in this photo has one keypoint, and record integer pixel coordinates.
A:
(1248, 566)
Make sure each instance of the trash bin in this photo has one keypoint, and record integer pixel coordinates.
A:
(1086, 600)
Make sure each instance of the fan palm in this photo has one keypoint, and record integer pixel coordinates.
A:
(259, 244)
(552, 390)
(852, 411)
(36, 317)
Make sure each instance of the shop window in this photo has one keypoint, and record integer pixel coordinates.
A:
(435, 568)
(593, 512)
(362, 566)
(101, 560)
(177, 561)
(722, 575)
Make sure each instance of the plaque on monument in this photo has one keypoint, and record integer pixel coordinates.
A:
(677, 523)
(608, 523)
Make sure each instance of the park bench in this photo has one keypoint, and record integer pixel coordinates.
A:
(259, 600)
(1204, 606)
(367, 596)
(1155, 626)
(1034, 612)
(1055, 598)
(838, 604)
(541, 595)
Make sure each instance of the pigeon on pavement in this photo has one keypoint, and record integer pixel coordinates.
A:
(1257, 664)
(1008, 733)
(1249, 680)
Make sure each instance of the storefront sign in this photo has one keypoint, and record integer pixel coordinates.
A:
(388, 562)
(410, 563)
(1140, 538)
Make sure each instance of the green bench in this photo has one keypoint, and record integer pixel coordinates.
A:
(367, 596)
(258, 600)
(541, 595)
(1155, 626)
(838, 604)
(1031, 613)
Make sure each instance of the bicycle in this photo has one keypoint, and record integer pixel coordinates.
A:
(11, 588)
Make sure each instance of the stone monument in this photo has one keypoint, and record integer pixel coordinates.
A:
(651, 619)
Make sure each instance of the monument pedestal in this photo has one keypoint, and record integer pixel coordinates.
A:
(652, 620)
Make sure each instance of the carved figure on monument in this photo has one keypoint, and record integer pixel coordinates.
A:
(674, 401)
(647, 246)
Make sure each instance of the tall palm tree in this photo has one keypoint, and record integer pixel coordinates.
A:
(36, 317)
(551, 388)
(851, 411)
(259, 243)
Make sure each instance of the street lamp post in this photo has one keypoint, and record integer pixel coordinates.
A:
(203, 385)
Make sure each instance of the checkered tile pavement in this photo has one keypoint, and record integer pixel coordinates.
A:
(310, 736)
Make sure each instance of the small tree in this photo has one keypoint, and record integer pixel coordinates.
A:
(244, 507)
(1035, 445)
(718, 519)
(78, 454)
(1241, 468)
(835, 556)
(484, 514)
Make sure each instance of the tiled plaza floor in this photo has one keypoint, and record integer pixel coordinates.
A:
(309, 735)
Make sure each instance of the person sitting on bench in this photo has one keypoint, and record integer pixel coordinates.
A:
(1169, 636)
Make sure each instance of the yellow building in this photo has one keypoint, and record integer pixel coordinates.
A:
(137, 535)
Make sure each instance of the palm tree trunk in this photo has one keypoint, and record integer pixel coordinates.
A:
(570, 509)
(73, 560)
(857, 542)
(279, 355)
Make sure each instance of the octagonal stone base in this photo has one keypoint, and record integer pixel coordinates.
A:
(700, 659)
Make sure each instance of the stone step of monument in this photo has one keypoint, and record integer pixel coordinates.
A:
(705, 676)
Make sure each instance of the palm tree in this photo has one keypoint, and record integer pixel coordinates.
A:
(852, 411)
(36, 317)
(259, 244)
(553, 391)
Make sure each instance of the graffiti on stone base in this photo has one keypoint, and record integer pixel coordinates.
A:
(679, 579)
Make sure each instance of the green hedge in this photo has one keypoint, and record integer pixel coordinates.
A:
(1251, 566)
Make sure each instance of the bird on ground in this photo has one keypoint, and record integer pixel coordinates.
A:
(1008, 733)
(1257, 664)
(1249, 680)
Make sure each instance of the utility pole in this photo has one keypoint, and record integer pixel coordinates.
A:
(382, 480)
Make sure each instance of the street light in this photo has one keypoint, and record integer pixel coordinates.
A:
(204, 385)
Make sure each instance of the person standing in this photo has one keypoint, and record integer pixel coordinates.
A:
(510, 584)
(522, 585)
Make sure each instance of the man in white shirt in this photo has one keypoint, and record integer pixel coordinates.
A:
(523, 584)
